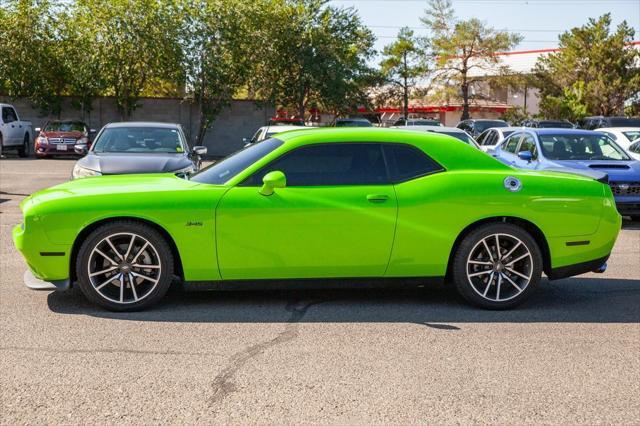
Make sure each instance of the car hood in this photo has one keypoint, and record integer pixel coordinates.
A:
(123, 163)
(616, 170)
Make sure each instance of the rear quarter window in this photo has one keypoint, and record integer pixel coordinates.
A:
(407, 162)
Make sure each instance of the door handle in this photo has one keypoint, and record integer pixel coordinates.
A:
(377, 198)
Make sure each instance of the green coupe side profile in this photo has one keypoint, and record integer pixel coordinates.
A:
(326, 207)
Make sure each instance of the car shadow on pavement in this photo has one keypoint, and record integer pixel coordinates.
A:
(581, 300)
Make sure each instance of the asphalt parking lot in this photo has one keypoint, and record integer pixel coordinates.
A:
(570, 355)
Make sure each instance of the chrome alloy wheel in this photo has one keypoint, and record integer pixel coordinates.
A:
(124, 268)
(499, 267)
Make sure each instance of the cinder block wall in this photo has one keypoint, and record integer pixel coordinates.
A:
(240, 120)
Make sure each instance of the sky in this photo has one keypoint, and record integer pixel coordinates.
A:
(539, 21)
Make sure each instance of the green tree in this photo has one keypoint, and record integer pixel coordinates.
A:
(137, 42)
(220, 52)
(30, 52)
(460, 47)
(403, 65)
(601, 66)
(312, 53)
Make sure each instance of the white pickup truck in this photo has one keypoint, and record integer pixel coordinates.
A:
(14, 133)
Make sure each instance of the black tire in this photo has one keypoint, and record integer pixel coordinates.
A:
(117, 229)
(23, 150)
(516, 290)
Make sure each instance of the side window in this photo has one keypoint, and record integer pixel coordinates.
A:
(401, 122)
(492, 138)
(480, 139)
(511, 144)
(407, 162)
(528, 144)
(635, 148)
(329, 164)
(8, 115)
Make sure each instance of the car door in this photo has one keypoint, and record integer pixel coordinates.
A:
(11, 129)
(335, 217)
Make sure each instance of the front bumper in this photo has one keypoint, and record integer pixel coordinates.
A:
(35, 283)
(52, 149)
(47, 262)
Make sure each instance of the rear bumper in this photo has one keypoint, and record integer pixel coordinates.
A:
(577, 269)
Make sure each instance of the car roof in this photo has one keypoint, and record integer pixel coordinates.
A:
(352, 119)
(142, 124)
(485, 119)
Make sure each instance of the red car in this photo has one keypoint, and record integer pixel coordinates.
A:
(60, 136)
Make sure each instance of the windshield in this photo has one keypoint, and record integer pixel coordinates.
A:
(220, 172)
(139, 139)
(580, 147)
(65, 126)
(555, 124)
(481, 126)
(632, 135)
(624, 122)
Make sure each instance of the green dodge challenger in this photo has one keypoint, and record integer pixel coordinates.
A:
(326, 206)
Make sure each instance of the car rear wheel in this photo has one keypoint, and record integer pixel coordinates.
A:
(497, 266)
(23, 150)
(124, 266)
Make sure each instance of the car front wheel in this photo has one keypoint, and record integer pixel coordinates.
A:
(497, 266)
(124, 266)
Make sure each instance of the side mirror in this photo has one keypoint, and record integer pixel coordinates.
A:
(272, 180)
(526, 156)
(199, 150)
(80, 149)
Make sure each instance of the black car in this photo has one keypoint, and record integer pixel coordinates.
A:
(476, 126)
(599, 122)
(353, 122)
(138, 147)
(548, 124)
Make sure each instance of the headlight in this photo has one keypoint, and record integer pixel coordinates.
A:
(41, 140)
(80, 172)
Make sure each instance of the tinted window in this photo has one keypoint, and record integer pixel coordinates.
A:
(139, 139)
(635, 148)
(632, 135)
(528, 144)
(65, 126)
(511, 144)
(329, 164)
(481, 126)
(464, 137)
(580, 147)
(624, 122)
(8, 115)
(491, 138)
(220, 172)
(407, 162)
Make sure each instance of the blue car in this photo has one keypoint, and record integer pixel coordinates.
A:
(579, 150)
